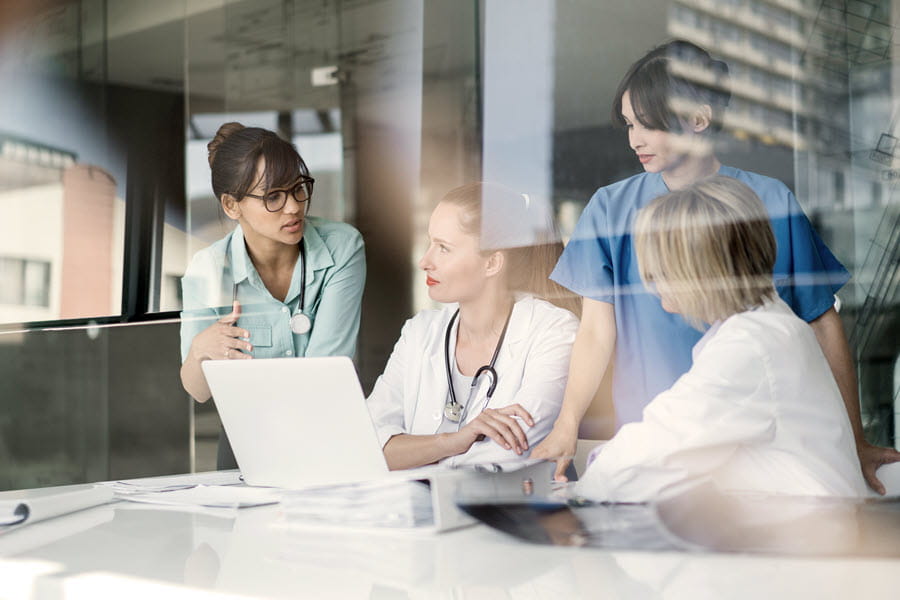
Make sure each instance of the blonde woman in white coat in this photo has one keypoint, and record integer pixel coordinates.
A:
(485, 259)
(759, 411)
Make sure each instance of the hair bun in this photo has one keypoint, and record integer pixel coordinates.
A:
(221, 135)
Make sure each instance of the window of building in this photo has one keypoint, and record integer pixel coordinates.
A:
(24, 282)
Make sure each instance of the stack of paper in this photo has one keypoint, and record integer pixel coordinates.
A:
(214, 496)
(372, 504)
(149, 485)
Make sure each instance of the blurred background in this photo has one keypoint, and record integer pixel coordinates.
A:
(107, 106)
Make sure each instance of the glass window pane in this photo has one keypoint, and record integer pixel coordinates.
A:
(11, 281)
(37, 283)
(62, 182)
(393, 103)
(89, 101)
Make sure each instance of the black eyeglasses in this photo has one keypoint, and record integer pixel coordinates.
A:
(274, 200)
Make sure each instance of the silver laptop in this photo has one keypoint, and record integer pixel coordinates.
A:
(296, 422)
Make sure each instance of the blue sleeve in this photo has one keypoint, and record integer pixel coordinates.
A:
(337, 319)
(807, 274)
(586, 265)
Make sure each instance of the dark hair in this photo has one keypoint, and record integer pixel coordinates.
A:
(653, 84)
(509, 222)
(234, 152)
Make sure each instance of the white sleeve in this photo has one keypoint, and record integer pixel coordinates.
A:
(386, 402)
(540, 392)
(690, 429)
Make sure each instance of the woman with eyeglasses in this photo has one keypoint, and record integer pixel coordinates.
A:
(281, 283)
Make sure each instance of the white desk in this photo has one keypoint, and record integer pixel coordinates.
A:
(131, 550)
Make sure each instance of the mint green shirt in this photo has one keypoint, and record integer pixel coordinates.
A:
(335, 277)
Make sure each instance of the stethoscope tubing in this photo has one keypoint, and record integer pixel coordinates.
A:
(452, 407)
(300, 323)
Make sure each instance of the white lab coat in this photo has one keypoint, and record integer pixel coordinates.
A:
(532, 368)
(759, 411)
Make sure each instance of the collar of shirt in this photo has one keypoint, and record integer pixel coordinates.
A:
(317, 258)
(708, 335)
(772, 305)
(660, 183)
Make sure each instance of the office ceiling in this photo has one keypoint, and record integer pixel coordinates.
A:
(235, 55)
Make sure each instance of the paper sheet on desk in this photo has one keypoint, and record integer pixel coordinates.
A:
(29, 506)
(170, 483)
(217, 496)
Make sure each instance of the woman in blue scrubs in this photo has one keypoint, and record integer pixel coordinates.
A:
(282, 283)
(670, 120)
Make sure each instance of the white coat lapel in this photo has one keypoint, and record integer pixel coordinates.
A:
(513, 345)
(433, 387)
(517, 332)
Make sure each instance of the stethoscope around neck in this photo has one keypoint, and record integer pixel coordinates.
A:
(300, 322)
(453, 410)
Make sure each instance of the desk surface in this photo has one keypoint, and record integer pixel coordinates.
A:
(124, 548)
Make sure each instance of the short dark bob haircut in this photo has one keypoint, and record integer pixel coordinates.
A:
(653, 84)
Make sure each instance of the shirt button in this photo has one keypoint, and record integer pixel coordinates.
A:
(289, 352)
(284, 309)
(437, 416)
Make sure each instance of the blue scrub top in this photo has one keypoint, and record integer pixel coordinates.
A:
(653, 347)
(335, 278)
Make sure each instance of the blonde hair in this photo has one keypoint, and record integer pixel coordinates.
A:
(504, 221)
(710, 246)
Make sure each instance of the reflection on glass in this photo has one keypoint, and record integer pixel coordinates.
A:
(451, 94)
(61, 193)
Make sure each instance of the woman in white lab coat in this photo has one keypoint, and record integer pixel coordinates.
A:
(480, 380)
(759, 410)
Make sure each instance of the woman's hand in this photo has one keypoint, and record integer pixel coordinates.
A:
(222, 339)
(501, 426)
(558, 446)
(870, 458)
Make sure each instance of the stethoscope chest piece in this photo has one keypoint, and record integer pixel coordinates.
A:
(300, 323)
(453, 411)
